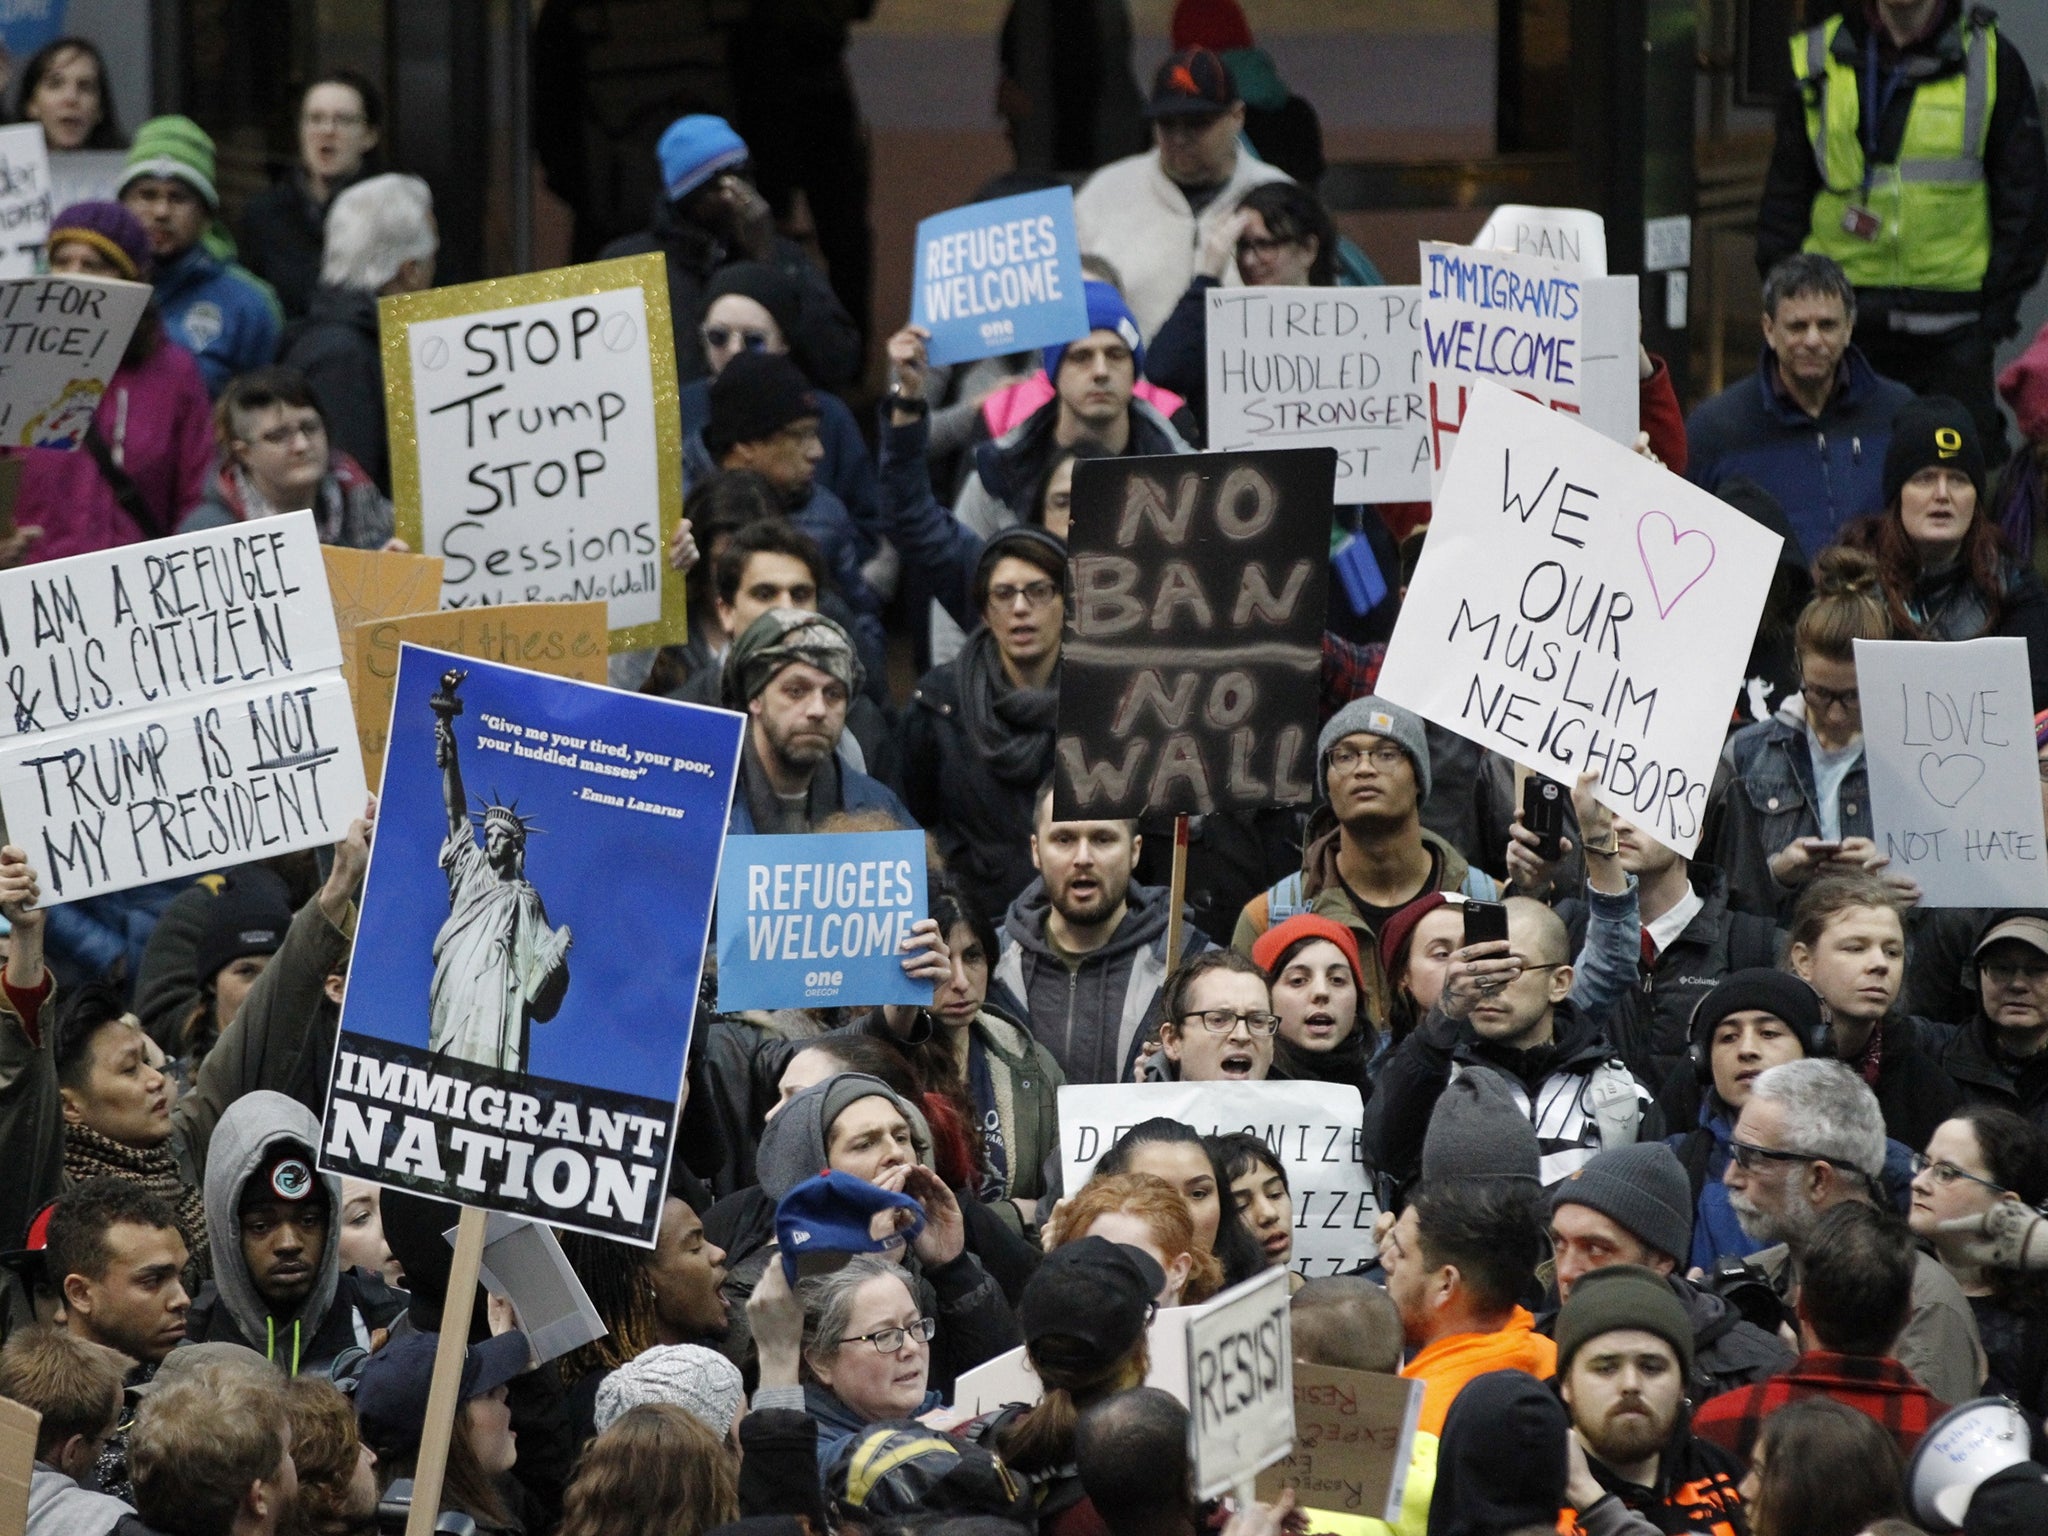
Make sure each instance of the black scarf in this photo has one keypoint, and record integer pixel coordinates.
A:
(766, 807)
(1345, 1062)
(1010, 728)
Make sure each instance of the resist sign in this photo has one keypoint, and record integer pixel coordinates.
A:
(1240, 1384)
(818, 920)
(1948, 733)
(1002, 276)
(1324, 368)
(536, 444)
(1580, 609)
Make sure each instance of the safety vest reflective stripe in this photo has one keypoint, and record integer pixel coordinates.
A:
(1968, 166)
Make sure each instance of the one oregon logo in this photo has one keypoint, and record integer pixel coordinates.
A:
(1948, 441)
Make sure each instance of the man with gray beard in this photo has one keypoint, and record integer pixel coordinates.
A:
(1812, 1137)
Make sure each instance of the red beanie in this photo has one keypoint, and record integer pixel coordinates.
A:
(1213, 24)
(1276, 941)
(1395, 930)
(2024, 385)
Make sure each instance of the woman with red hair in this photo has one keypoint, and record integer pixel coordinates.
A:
(1146, 1212)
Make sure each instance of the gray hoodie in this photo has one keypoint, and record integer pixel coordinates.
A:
(57, 1506)
(243, 1139)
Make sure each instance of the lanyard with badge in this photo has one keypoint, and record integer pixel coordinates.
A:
(1879, 87)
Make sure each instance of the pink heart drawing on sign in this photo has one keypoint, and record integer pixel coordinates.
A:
(1672, 560)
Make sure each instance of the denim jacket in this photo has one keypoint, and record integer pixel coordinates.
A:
(1768, 804)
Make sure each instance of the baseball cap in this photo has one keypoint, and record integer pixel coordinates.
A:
(27, 1260)
(835, 1213)
(2028, 928)
(1093, 1290)
(1192, 83)
(391, 1391)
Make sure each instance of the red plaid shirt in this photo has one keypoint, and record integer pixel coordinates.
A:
(1880, 1387)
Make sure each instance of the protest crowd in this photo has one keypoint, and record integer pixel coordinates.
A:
(1675, 1172)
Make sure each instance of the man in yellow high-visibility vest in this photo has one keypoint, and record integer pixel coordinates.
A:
(1909, 148)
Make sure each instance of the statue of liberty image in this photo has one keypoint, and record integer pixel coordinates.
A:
(498, 966)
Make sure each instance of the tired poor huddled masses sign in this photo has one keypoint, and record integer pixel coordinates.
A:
(1313, 1128)
(1580, 609)
(998, 277)
(1948, 739)
(533, 923)
(1194, 645)
(1338, 368)
(818, 920)
(535, 439)
(172, 707)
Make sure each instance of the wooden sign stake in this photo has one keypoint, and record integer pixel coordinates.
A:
(448, 1358)
(1177, 891)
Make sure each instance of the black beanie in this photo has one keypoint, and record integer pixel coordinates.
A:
(1047, 551)
(1762, 990)
(754, 397)
(1934, 429)
(768, 286)
(248, 917)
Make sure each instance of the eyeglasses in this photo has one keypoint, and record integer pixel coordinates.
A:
(1221, 1021)
(719, 337)
(1036, 594)
(1344, 758)
(2003, 973)
(279, 437)
(1824, 699)
(1751, 1157)
(1946, 1173)
(321, 121)
(888, 1341)
(1251, 245)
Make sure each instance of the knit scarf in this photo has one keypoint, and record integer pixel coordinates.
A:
(765, 806)
(89, 1155)
(1009, 727)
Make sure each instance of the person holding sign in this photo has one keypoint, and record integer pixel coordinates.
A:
(1945, 571)
(64, 87)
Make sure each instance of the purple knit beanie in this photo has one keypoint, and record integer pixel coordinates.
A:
(109, 229)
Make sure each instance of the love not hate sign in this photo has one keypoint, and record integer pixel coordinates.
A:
(1580, 609)
(174, 706)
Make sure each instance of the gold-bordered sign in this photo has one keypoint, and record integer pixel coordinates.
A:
(399, 313)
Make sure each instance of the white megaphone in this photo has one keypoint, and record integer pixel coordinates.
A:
(1965, 1447)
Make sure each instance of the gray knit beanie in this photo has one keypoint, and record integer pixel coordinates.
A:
(1642, 1189)
(1478, 1131)
(793, 1143)
(1376, 717)
(699, 1380)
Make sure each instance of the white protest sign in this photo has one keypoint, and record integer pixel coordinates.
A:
(536, 442)
(1576, 238)
(1578, 608)
(524, 1263)
(25, 205)
(1948, 738)
(1324, 368)
(1008, 1378)
(1312, 1127)
(1546, 331)
(61, 338)
(173, 707)
(1240, 1384)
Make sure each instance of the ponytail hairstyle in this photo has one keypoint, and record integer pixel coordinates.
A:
(1848, 604)
(1075, 1378)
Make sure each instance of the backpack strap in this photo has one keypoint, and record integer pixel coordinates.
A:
(122, 484)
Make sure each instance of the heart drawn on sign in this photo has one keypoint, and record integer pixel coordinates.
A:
(1673, 561)
(1949, 779)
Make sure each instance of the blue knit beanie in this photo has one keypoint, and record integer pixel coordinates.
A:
(1107, 311)
(694, 149)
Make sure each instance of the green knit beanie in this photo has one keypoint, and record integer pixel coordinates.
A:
(177, 148)
(1623, 1296)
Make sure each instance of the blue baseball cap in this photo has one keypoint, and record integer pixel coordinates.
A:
(835, 1213)
(391, 1390)
(694, 149)
(1107, 311)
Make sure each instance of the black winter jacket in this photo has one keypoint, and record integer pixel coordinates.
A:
(336, 348)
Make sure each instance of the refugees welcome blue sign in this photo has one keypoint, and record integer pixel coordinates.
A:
(1000, 277)
(819, 921)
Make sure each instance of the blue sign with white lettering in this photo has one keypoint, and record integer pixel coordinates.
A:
(819, 920)
(1000, 277)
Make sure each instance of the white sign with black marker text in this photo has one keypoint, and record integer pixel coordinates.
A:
(1240, 1384)
(1955, 800)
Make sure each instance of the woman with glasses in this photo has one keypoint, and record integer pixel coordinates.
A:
(1982, 1156)
(275, 456)
(866, 1347)
(340, 126)
(1797, 800)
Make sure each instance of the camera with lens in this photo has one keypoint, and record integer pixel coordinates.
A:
(1748, 1290)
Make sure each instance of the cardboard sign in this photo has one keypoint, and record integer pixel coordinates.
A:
(560, 639)
(25, 205)
(536, 445)
(1240, 1384)
(1001, 276)
(1540, 328)
(174, 707)
(19, 1427)
(1574, 238)
(526, 966)
(1578, 608)
(1312, 1127)
(376, 584)
(1194, 636)
(1955, 799)
(61, 338)
(1324, 368)
(818, 921)
(1354, 1432)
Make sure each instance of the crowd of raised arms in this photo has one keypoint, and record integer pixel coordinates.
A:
(1701, 1196)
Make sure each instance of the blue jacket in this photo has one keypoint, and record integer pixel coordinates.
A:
(1766, 791)
(857, 792)
(220, 312)
(1824, 471)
